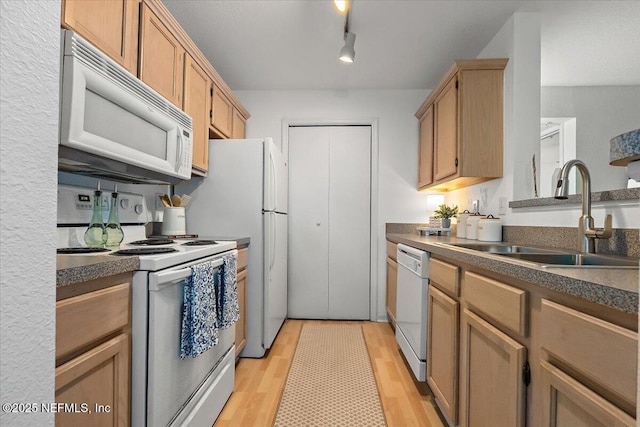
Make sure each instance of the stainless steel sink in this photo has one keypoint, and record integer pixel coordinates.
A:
(575, 260)
(503, 248)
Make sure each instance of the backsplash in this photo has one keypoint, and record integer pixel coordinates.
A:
(624, 241)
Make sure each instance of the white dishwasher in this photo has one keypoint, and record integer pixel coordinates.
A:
(411, 308)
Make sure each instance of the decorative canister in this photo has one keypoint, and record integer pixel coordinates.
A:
(462, 223)
(174, 221)
(490, 229)
(472, 225)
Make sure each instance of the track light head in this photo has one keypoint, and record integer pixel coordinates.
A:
(348, 53)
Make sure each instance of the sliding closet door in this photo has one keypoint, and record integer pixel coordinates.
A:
(308, 293)
(329, 222)
(349, 222)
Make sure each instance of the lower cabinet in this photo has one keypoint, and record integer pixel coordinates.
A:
(584, 384)
(442, 350)
(492, 392)
(93, 355)
(96, 383)
(241, 324)
(392, 282)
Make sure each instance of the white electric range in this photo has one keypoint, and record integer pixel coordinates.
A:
(165, 390)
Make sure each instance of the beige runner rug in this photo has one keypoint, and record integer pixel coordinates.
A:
(331, 382)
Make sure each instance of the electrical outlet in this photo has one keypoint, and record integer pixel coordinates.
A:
(502, 206)
(475, 205)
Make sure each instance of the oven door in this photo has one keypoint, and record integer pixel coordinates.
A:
(174, 385)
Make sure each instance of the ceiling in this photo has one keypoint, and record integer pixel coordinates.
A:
(293, 44)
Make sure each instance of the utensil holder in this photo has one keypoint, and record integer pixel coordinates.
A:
(174, 221)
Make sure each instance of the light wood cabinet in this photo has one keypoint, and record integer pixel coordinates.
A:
(568, 403)
(197, 104)
(446, 129)
(425, 159)
(221, 113)
(93, 353)
(442, 350)
(392, 289)
(110, 25)
(589, 369)
(98, 378)
(239, 126)
(392, 282)
(241, 324)
(467, 138)
(161, 57)
(492, 392)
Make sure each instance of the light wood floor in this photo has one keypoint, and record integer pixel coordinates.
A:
(259, 382)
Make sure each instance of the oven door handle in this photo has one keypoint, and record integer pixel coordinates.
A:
(159, 281)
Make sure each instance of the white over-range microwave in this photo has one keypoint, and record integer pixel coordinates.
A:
(114, 126)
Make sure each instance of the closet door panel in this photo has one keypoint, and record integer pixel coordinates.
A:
(308, 223)
(349, 222)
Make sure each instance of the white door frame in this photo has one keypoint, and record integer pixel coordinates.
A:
(373, 122)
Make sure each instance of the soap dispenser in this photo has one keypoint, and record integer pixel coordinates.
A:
(96, 234)
(114, 230)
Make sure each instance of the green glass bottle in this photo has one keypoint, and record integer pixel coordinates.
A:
(96, 234)
(114, 230)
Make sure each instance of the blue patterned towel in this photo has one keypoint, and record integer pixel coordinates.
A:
(199, 311)
(228, 308)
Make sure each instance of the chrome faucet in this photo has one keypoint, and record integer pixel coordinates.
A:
(587, 233)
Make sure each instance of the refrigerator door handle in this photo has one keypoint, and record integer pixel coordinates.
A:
(275, 181)
(274, 228)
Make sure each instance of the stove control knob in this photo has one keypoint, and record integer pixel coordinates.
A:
(138, 209)
(124, 203)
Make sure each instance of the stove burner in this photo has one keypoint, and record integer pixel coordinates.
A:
(144, 251)
(153, 242)
(200, 243)
(81, 250)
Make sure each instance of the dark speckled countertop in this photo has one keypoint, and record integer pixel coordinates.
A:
(612, 287)
(71, 269)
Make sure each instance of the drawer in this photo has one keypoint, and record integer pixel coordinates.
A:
(445, 276)
(392, 250)
(86, 318)
(600, 351)
(504, 304)
(243, 259)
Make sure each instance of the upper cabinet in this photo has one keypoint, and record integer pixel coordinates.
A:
(461, 127)
(197, 104)
(221, 113)
(161, 57)
(165, 58)
(110, 25)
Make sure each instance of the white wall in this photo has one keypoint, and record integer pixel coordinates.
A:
(29, 70)
(601, 112)
(519, 40)
(398, 199)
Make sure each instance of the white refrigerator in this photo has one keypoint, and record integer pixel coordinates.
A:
(245, 195)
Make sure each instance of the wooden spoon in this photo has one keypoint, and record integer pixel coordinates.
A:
(175, 199)
(184, 200)
(166, 200)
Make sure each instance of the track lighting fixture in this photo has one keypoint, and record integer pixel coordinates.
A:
(348, 53)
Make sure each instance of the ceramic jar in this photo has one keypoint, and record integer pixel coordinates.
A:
(490, 229)
(472, 226)
(461, 230)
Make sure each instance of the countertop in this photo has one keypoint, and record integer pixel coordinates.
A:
(71, 269)
(612, 287)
